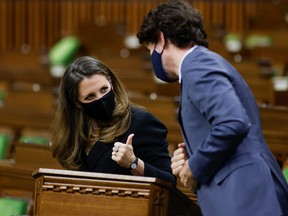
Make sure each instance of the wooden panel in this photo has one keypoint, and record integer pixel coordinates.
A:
(275, 126)
(90, 204)
(280, 98)
(278, 143)
(34, 102)
(274, 118)
(34, 25)
(10, 23)
(51, 20)
(33, 156)
(27, 109)
(3, 25)
(260, 84)
(13, 179)
(65, 192)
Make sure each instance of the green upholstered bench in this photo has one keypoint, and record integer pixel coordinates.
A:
(34, 140)
(285, 172)
(64, 51)
(13, 206)
(4, 145)
(2, 96)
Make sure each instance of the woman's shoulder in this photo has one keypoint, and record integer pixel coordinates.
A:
(143, 116)
(140, 112)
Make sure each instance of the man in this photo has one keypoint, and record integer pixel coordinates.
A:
(225, 158)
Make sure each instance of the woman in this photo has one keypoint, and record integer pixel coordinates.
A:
(97, 129)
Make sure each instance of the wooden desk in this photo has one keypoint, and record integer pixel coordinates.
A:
(33, 156)
(15, 179)
(274, 121)
(61, 192)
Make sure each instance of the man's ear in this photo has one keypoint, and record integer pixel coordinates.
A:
(162, 38)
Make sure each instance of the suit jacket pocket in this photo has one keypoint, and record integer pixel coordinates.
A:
(233, 164)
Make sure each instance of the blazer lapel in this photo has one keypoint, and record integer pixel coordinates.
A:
(188, 148)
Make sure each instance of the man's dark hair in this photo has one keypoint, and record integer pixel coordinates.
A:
(179, 22)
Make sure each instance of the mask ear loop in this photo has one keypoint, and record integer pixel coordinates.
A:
(111, 85)
(162, 49)
(110, 81)
(165, 41)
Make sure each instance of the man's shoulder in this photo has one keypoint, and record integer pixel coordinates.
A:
(201, 54)
(202, 51)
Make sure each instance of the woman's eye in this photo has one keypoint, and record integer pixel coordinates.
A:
(104, 89)
(90, 97)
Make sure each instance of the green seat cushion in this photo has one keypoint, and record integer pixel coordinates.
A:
(13, 206)
(2, 96)
(64, 51)
(285, 172)
(4, 143)
(258, 41)
(34, 140)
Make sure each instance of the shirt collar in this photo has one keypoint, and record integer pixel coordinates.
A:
(180, 65)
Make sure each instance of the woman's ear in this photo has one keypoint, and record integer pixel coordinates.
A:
(78, 105)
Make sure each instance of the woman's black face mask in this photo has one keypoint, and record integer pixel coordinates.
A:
(101, 109)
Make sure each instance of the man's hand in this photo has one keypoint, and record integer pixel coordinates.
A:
(180, 167)
(178, 160)
(187, 178)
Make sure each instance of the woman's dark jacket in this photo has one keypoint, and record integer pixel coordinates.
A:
(149, 144)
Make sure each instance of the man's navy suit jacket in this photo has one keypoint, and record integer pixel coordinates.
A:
(220, 122)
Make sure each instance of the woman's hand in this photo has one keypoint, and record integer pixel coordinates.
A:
(123, 153)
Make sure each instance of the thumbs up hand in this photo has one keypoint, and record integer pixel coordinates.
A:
(123, 153)
(129, 139)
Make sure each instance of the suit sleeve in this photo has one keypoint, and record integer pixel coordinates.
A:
(211, 91)
(151, 146)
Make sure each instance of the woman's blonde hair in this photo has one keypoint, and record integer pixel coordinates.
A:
(71, 129)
